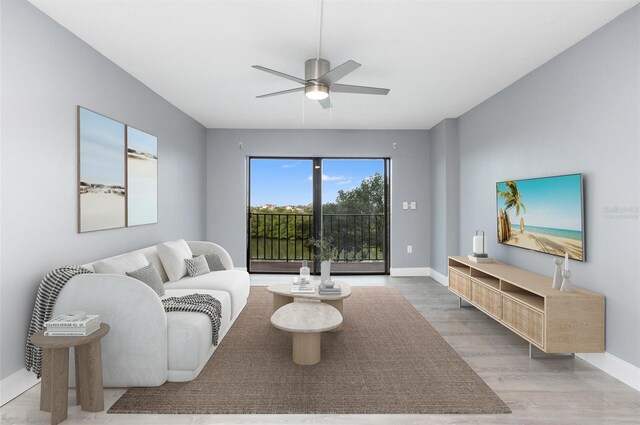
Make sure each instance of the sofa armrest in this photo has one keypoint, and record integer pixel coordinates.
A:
(202, 247)
(134, 352)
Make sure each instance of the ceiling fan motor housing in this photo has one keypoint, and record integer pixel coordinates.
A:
(315, 68)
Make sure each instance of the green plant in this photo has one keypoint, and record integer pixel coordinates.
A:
(324, 248)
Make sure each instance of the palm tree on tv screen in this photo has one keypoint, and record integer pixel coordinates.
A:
(512, 199)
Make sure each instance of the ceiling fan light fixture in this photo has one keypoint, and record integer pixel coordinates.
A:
(316, 92)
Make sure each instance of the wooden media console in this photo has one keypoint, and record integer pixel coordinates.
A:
(525, 302)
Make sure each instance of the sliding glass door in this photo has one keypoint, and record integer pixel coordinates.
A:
(292, 201)
(354, 213)
(280, 216)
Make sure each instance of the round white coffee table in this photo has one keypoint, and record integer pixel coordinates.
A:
(306, 320)
(282, 295)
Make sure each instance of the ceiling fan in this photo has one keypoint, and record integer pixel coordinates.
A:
(319, 79)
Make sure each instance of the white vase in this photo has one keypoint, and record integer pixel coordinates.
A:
(557, 275)
(566, 282)
(325, 270)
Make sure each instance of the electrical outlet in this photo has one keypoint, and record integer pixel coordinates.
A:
(412, 205)
(405, 205)
(409, 249)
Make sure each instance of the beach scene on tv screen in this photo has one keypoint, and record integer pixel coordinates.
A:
(542, 214)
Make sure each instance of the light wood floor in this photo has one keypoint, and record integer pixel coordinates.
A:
(559, 391)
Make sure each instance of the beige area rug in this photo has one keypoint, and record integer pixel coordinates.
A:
(388, 359)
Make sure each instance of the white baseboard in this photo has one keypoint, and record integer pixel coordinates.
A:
(439, 277)
(408, 271)
(419, 272)
(614, 366)
(14, 385)
(244, 269)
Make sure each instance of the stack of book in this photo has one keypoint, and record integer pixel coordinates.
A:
(58, 326)
(303, 289)
(325, 290)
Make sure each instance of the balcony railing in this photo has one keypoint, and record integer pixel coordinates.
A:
(286, 237)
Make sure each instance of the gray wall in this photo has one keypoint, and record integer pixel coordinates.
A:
(443, 169)
(226, 180)
(46, 72)
(580, 112)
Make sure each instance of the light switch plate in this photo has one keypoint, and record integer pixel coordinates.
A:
(405, 205)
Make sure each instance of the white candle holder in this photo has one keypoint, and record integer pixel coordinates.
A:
(480, 245)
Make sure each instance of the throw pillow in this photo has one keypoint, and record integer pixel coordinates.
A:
(214, 262)
(150, 276)
(121, 264)
(172, 255)
(197, 266)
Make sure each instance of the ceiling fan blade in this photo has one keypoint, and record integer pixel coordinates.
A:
(280, 74)
(347, 88)
(281, 92)
(326, 103)
(338, 72)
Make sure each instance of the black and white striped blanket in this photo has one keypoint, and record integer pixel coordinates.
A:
(48, 291)
(52, 284)
(198, 303)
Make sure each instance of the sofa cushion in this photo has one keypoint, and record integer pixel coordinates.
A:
(214, 262)
(121, 264)
(173, 255)
(189, 335)
(235, 282)
(152, 256)
(197, 265)
(149, 275)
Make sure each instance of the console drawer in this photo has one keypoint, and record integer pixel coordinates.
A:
(460, 283)
(524, 319)
(487, 299)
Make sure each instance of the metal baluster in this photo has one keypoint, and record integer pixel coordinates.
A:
(355, 238)
(369, 237)
(361, 237)
(375, 235)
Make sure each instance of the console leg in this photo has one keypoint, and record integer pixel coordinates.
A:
(536, 353)
(465, 305)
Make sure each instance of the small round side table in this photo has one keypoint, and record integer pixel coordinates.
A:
(54, 387)
(306, 320)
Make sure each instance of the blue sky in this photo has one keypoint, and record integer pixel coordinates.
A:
(288, 181)
(551, 202)
(102, 149)
(142, 142)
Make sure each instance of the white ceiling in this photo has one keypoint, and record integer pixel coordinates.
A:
(439, 58)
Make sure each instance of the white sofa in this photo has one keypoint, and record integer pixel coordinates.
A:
(146, 346)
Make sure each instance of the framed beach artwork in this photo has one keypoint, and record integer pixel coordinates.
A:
(101, 172)
(142, 177)
(544, 214)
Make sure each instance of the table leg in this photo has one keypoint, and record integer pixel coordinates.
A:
(78, 378)
(59, 378)
(280, 300)
(338, 304)
(90, 364)
(45, 383)
(306, 348)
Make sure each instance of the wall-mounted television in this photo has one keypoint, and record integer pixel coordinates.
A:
(543, 214)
